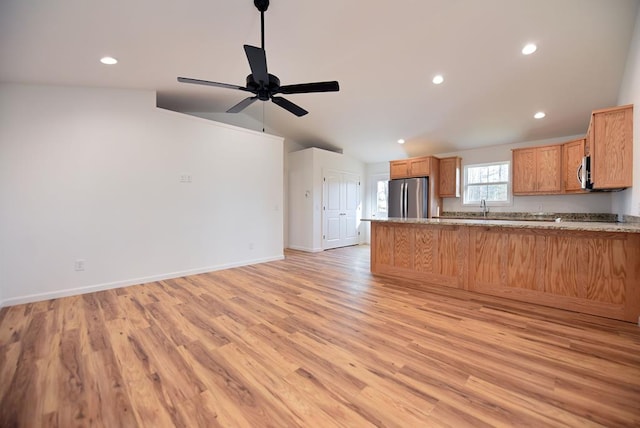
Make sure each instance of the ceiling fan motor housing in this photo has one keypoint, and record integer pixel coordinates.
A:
(262, 5)
(263, 91)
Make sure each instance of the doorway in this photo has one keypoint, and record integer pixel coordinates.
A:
(379, 195)
(341, 209)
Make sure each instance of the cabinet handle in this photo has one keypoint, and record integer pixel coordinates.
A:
(579, 176)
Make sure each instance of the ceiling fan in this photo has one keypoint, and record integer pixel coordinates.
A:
(261, 84)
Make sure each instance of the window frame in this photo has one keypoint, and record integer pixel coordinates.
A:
(465, 184)
(374, 179)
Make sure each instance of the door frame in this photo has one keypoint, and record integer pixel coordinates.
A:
(323, 219)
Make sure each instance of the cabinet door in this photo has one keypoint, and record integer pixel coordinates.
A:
(588, 143)
(399, 169)
(450, 177)
(572, 154)
(524, 171)
(419, 167)
(548, 160)
(612, 151)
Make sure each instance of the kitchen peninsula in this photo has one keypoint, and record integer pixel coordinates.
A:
(587, 267)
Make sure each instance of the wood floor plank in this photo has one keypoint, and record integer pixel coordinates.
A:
(312, 340)
(295, 407)
(197, 412)
(237, 388)
(148, 401)
(537, 413)
(15, 321)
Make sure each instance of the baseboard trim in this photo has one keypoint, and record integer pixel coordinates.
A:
(306, 249)
(128, 282)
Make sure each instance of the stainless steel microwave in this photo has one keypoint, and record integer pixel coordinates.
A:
(584, 173)
(586, 180)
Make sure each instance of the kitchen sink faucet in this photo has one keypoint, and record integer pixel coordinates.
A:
(485, 210)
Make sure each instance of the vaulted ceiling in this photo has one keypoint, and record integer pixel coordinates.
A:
(384, 54)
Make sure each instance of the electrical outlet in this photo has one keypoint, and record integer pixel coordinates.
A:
(79, 265)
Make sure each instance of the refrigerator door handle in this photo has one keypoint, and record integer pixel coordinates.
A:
(405, 199)
(402, 200)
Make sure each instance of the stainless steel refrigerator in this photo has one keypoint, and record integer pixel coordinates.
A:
(409, 198)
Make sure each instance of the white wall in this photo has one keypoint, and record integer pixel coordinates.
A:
(306, 168)
(289, 146)
(247, 122)
(93, 174)
(628, 201)
(583, 203)
(301, 200)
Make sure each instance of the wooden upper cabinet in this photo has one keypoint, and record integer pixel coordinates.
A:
(413, 167)
(524, 171)
(549, 160)
(610, 140)
(420, 167)
(572, 154)
(399, 169)
(450, 177)
(537, 170)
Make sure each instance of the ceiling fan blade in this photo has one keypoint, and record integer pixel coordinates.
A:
(304, 88)
(288, 105)
(242, 105)
(208, 83)
(258, 63)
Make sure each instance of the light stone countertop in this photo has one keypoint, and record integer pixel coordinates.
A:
(589, 226)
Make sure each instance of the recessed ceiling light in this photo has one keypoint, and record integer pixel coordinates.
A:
(400, 141)
(539, 115)
(108, 60)
(438, 79)
(528, 49)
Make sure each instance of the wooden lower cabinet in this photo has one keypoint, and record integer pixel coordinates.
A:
(591, 272)
(434, 254)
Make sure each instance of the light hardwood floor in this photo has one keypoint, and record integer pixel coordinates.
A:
(314, 340)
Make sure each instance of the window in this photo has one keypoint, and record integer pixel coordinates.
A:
(379, 194)
(381, 198)
(489, 181)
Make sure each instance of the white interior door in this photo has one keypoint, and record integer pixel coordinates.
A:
(332, 209)
(341, 207)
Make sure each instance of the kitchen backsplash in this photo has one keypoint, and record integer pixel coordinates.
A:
(630, 219)
(601, 217)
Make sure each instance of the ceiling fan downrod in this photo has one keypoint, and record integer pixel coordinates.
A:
(262, 6)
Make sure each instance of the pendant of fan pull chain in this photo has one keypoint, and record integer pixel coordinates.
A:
(263, 85)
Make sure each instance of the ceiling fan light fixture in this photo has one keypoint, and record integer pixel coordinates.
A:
(529, 48)
(438, 79)
(108, 60)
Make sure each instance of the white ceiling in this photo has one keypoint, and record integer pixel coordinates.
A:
(384, 54)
